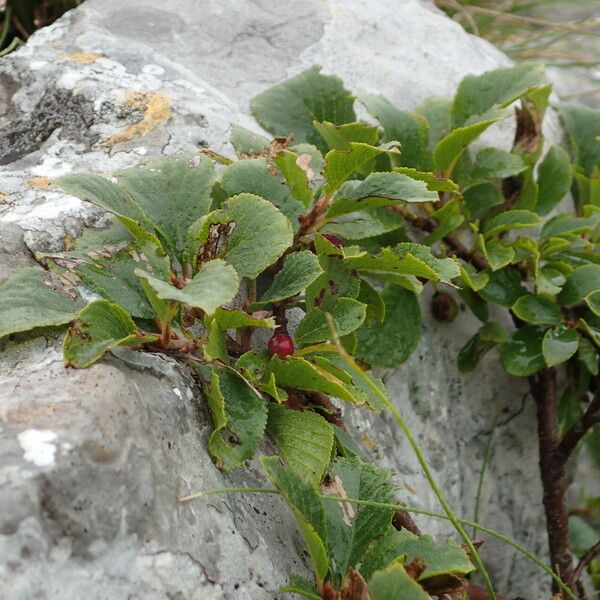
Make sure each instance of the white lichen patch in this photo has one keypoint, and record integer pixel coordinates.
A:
(39, 446)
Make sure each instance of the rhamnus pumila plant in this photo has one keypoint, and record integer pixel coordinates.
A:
(348, 221)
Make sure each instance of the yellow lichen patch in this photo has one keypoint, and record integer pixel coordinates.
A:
(3, 198)
(369, 443)
(81, 57)
(156, 112)
(39, 182)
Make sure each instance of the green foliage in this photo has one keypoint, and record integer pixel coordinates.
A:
(100, 327)
(34, 298)
(439, 560)
(347, 223)
(291, 107)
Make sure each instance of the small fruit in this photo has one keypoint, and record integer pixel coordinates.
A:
(333, 239)
(281, 345)
(444, 307)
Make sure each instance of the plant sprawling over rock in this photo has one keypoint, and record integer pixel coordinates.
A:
(346, 221)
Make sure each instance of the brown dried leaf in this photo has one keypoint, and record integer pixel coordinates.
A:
(354, 587)
(335, 487)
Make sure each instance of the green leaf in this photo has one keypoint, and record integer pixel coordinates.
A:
(215, 347)
(256, 221)
(410, 129)
(407, 258)
(112, 275)
(498, 254)
(215, 284)
(377, 190)
(296, 176)
(298, 373)
(437, 112)
(100, 327)
(471, 277)
(394, 582)
(554, 179)
(252, 365)
(472, 352)
(341, 165)
(364, 384)
(32, 298)
(559, 345)
(347, 314)
(229, 318)
(434, 183)
(171, 193)
(528, 197)
(449, 217)
(291, 107)
(307, 509)
(593, 302)
(372, 298)
(450, 148)
(522, 354)
(494, 163)
(588, 356)
(337, 281)
(447, 559)
(537, 310)
(391, 342)
(477, 94)
(512, 219)
(568, 225)
(362, 224)
(592, 332)
(304, 440)
(299, 270)
(338, 137)
(351, 528)
(300, 586)
(581, 282)
(480, 198)
(504, 287)
(240, 418)
(103, 193)
(582, 534)
(583, 125)
(253, 176)
(247, 142)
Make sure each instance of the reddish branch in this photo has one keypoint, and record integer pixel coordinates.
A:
(552, 473)
(330, 411)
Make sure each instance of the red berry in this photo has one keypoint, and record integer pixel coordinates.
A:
(281, 345)
(333, 239)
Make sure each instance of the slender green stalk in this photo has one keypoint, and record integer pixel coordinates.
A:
(420, 457)
(486, 456)
(412, 509)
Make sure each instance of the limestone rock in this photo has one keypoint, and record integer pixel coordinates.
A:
(92, 462)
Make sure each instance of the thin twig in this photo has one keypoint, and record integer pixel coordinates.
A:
(522, 20)
(572, 437)
(585, 560)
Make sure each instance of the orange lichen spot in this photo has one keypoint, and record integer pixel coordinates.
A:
(81, 57)
(40, 183)
(156, 111)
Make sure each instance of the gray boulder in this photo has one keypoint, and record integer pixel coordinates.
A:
(92, 462)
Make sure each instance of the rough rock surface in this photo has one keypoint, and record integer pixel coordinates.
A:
(92, 462)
